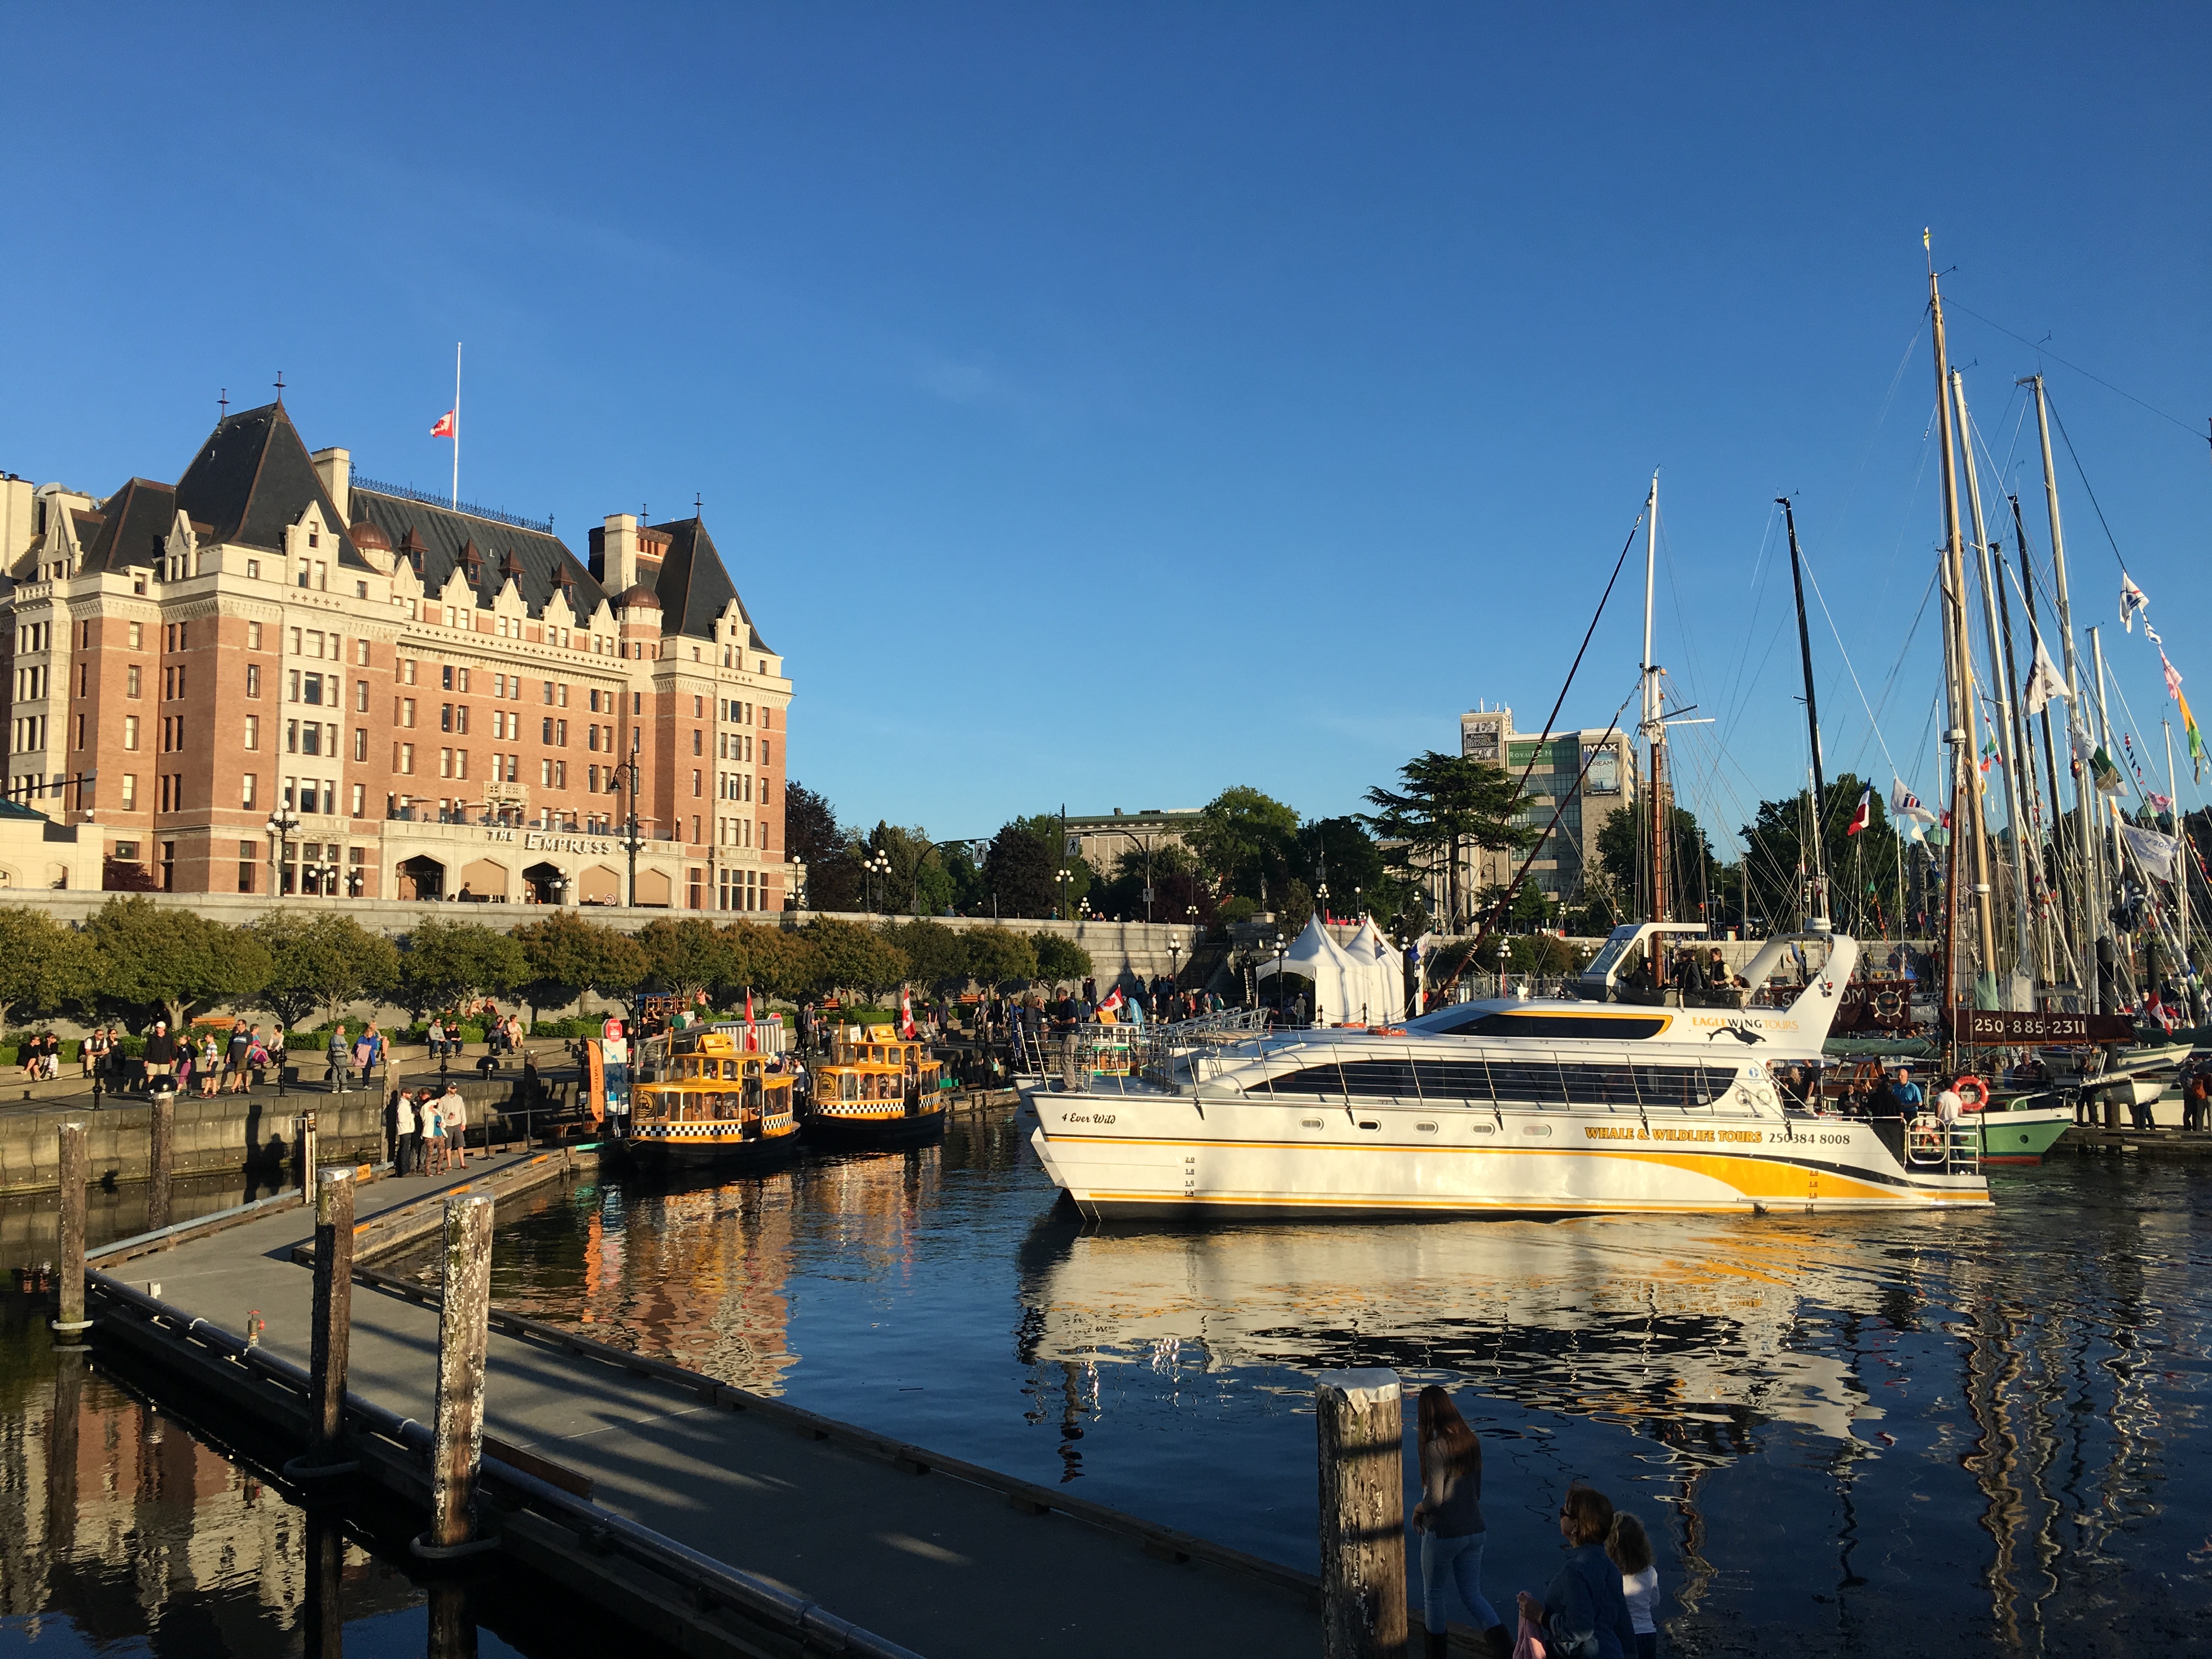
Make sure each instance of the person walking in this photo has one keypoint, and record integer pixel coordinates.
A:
(1630, 1550)
(453, 1119)
(402, 1132)
(1449, 1520)
(233, 1068)
(2196, 1101)
(160, 1056)
(1583, 1611)
(210, 1065)
(338, 1054)
(434, 1137)
(364, 1052)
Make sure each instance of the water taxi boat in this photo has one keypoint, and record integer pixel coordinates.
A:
(718, 1105)
(1600, 1103)
(876, 1090)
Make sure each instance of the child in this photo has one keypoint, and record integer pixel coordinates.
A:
(434, 1140)
(1631, 1550)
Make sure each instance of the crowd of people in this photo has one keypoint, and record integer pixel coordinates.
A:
(1601, 1604)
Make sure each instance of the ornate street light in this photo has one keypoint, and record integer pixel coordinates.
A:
(282, 826)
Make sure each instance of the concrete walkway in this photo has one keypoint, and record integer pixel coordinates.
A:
(941, 1565)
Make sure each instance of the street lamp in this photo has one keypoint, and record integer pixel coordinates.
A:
(631, 841)
(1504, 946)
(798, 884)
(1322, 893)
(282, 826)
(1282, 1004)
(879, 864)
(1175, 957)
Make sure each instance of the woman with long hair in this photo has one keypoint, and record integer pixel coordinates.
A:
(1583, 1611)
(1449, 1518)
(1630, 1550)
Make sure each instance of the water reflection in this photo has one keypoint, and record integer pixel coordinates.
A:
(1976, 1427)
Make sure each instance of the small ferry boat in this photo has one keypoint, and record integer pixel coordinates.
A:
(876, 1089)
(1500, 1107)
(718, 1105)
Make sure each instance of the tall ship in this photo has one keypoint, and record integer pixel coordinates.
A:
(1505, 1106)
(876, 1089)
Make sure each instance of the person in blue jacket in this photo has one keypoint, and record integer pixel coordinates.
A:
(1583, 1614)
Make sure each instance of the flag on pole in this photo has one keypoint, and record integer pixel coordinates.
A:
(906, 1012)
(752, 1037)
(1865, 812)
(2195, 739)
(449, 425)
(2044, 681)
(2132, 599)
(2158, 855)
(2173, 676)
(2106, 775)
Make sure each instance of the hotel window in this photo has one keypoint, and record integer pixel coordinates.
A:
(130, 794)
(698, 708)
(698, 741)
(407, 711)
(359, 801)
(310, 737)
(637, 702)
(592, 737)
(246, 863)
(254, 679)
(298, 650)
(548, 692)
(253, 573)
(461, 718)
(696, 788)
(361, 651)
(253, 637)
(246, 791)
(361, 697)
(445, 677)
(312, 686)
(130, 681)
(79, 744)
(445, 762)
(561, 695)
(292, 684)
(406, 758)
(594, 779)
(407, 671)
(291, 736)
(460, 762)
(545, 774)
(594, 696)
(445, 717)
(129, 730)
(361, 743)
(253, 731)
(138, 636)
(560, 774)
(764, 752)
(461, 677)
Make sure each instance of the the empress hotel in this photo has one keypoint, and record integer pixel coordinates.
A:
(267, 678)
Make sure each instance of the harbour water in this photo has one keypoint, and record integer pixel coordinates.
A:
(1879, 1434)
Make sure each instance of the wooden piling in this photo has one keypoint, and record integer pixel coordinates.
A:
(453, 1622)
(333, 1317)
(304, 1151)
(322, 1628)
(161, 1131)
(1361, 1428)
(74, 1170)
(458, 1437)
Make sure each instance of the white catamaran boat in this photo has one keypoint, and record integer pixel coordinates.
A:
(1499, 1107)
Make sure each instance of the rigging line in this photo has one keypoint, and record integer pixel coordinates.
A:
(1543, 744)
(1731, 706)
(2043, 351)
(1904, 655)
(1848, 667)
(1882, 417)
(2061, 423)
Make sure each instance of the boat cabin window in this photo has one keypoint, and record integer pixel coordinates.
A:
(1515, 1082)
(849, 1086)
(1508, 1022)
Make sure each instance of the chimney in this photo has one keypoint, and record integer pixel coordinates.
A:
(335, 468)
(19, 522)
(619, 569)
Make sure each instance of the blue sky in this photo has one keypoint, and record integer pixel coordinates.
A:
(1107, 405)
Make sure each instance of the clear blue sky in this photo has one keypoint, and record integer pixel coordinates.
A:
(1110, 404)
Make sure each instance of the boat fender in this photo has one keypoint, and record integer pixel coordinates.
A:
(1973, 1093)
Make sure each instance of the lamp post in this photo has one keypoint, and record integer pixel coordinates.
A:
(879, 864)
(1282, 945)
(798, 884)
(1358, 904)
(1504, 946)
(560, 886)
(1322, 894)
(631, 841)
(282, 826)
(1175, 957)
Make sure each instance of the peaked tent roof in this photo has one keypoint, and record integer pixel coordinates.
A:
(444, 538)
(694, 586)
(252, 479)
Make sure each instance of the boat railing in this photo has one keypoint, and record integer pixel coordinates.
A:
(1930, 1143)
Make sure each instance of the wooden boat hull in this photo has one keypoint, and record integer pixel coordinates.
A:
(855, 1130)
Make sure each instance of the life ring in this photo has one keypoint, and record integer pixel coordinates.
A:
(1973, 1093)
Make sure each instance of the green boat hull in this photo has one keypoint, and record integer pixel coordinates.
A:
(2022, 1137)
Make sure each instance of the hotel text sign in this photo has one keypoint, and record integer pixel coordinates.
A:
(535, 841)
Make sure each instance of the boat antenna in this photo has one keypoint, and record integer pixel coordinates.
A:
(1654, 722)
(1819, 922)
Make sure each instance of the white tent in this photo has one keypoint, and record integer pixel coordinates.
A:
(1342, 985)
(1386, 1001)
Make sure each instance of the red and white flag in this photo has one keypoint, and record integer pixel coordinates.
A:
(906, 1013)
(1113, 1002)
(449, 425)
(1860, 818)
(752, 1037)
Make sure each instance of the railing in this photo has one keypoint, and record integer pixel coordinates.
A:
(1929, 1143)
(431, 498)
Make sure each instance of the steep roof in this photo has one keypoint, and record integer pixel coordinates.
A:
(443, 538)
(694, 586)
(252, 480)
(135, 523)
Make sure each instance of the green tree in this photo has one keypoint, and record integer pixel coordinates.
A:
(167, 960)
(1449, 806)
(1339, 852)
(445, 962)
(687, 955)
(999, 956)
(1862, 868)
(321, 960)
(773, 960)
(42, 964)
(1018, 870)
(849, 955)
(936, 955)
(810, 831)
(1246, 839)
(564, 956)
(1058, 957)
(1693, 872)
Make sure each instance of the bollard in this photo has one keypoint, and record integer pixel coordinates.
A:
(73, 1178)
(161, 1129)
(458, 1445)
(333, 1316)
(304, 1150)
(1361, 1428)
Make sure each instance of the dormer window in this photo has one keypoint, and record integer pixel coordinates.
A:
(314, 536)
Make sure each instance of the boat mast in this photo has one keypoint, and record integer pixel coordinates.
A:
(2069, 935)
(2092, 927)
(2008, 739)
(2028, 839)
(2107, 846)
(1960, 736)
(1820, 922)
(2188, 854)
(1655, 724)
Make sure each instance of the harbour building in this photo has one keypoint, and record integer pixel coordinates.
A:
(276, 677)
(1591, 796)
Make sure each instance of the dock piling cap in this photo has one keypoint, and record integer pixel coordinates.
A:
(1372, 1385)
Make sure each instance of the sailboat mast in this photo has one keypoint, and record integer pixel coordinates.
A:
(1820, 921)
(2188, 852)
(2069, 936)
(2108, 849)
(2008, 739)
(1655, 723)
(2027, 840)
(1962, 663)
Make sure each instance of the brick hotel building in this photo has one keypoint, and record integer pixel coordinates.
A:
(443, 700)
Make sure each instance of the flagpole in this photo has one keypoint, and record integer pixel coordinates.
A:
(456, 426)
(2181, 830)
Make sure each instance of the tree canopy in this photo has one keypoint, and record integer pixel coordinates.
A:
(1018, 870)
(447, 962)
(1246, 840)
(321, 960)
(42, 964)
(1058, 957)
(936, 955)
(164, 960)
(564, 956)
(1449, 805)
(1000, 955)
(850, 956)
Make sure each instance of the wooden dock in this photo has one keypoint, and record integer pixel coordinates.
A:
(719, 1520)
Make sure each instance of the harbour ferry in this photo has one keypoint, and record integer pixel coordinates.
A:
(876, 1089)
(1507, 1106)
(717, 1105)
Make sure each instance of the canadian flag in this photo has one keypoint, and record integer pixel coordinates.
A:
(752, 1038)
(1113, 1002)
(1860, 818)
(906, 1013)
(449, 425)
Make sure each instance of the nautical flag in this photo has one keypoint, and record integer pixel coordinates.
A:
(2173, 676)
(2160, 802)
(2044, 681)
(752, 1037)
(2158, 855)
(1113, 1002)
(1902, 799)
(2106, 775)
(2132, 599)
(2195, 739)
(449, 425)
(906, 1012)
(1866, 809)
